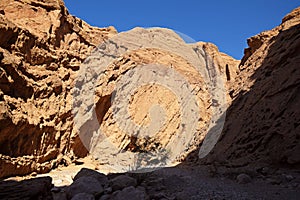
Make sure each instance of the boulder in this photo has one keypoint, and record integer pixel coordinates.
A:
(89, 185)
(243, 178)
(85, 172)
(83, 196)
(129, 193)
(122, 181)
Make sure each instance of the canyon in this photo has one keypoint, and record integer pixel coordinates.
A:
(50, 120)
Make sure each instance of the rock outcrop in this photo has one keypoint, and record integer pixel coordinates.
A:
(41, 48)
(45, 78)
(227, 65)
(42, 53)
(142, 64)
(263, 122)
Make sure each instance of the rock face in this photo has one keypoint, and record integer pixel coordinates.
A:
(42, 53)
(227, 65)
(41, 48)
(135, 71)
(263, 122)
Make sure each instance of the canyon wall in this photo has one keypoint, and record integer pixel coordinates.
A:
(263, 122)
(43, 51)
(42, 48)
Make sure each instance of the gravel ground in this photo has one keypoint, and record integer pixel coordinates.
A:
(182, 182)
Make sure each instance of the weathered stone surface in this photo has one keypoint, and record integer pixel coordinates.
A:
(243, 178)
(41, 48)
(130, 193)
(84, 172)
(41, 51)
(122, 181)
(87, 185)
(227, 65)
(262, 123)
(135, 57)
(83, 196)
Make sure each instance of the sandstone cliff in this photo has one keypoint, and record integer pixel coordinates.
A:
(43, 66)
(178, 132)
(41, 48)
(41, 51)
(262, 123)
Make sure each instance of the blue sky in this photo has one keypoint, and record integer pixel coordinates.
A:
(225, 23)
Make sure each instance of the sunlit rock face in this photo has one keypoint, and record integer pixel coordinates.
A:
(42, 50)
(156, 98)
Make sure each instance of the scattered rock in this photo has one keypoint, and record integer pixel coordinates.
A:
(78, 162)
(108, 190)
(159, 195)
(84, 172)
(87, 184)
(129, 193)
(274, 180)
(55, 189)
(59, 196)
(296, 185)
(83, 196)
(243, 178)
(105, 197)
(122, 181)
(154, 182)
(181, 195)
(288, 177)
(265, 170)
(57, 182)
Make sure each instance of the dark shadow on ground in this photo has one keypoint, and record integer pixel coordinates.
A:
(35, 188)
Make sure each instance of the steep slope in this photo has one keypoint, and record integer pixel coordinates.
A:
(155, 69)
(41, 51)
(263, 122)
(41, 48)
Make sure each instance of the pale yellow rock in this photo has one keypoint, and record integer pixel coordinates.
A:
(42, 48)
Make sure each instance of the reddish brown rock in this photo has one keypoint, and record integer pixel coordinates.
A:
(41, 48)
(179, 130)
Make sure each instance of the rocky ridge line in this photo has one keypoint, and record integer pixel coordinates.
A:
(263, 121)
